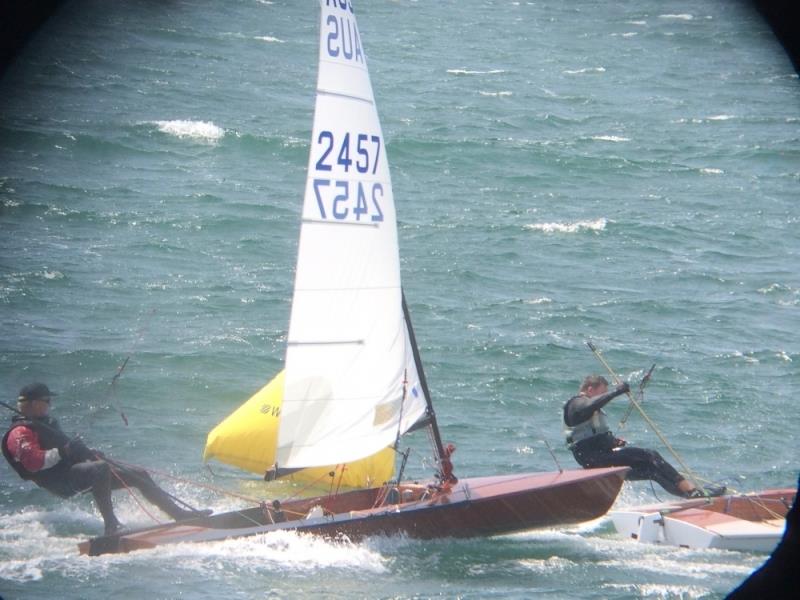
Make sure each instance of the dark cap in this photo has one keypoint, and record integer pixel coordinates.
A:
(34, 391)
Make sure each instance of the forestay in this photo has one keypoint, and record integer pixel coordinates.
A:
(351, 383)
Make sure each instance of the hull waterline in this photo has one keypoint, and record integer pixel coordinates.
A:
(474, 507)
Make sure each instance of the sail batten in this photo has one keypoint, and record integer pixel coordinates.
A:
(333, 94)
(337, 223)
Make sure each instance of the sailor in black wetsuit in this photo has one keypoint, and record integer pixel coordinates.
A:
(594, 445)
(39, 451)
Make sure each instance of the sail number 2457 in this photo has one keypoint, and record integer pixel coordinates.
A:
(364, 158)
(352, 198)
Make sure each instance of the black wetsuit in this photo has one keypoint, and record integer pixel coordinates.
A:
(606, 450)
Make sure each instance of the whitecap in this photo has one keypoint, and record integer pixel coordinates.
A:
(596, 225)
(471, 72)
(495, 94)
(679, 17)
(658, 590)
(586, 70)
(546, 566)
(710, 171)
(610, 138)
(269, 38)
(774, 287)
(679, 564)
(199, 130)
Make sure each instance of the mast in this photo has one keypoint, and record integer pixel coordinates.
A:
(430, 414)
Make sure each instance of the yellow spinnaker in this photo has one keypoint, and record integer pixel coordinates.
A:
(248, 437)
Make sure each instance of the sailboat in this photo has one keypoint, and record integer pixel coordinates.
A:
(353, 381)
(753, 522)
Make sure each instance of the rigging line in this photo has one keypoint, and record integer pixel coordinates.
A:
(761, 503)
(128, 489)
(118, 374)
(400, 419)
(642, 384)
(332, 475)
(341, 476)
(688, 472)
(755, 500)
(114, 464)
(553, 454)
(110, 396)
(191, 482)
(310, 484)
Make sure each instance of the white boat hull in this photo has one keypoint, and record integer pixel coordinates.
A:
(748, 523)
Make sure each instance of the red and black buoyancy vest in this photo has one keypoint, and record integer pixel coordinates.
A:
(51, 436)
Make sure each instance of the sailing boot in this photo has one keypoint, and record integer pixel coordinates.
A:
(711, 491)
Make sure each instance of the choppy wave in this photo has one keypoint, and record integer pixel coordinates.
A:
(596, 225)
(586, 70)
(678, 17)
(475, 72)
(610, 138)
(197, 130)
(542, 300)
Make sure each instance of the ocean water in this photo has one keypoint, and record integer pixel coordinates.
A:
(625, 173)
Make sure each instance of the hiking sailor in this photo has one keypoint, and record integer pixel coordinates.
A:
(38, 450)
(594, 445)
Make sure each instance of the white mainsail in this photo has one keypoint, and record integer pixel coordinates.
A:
(351, 382)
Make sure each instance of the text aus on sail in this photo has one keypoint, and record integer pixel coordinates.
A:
(345, 177)
(342, 39)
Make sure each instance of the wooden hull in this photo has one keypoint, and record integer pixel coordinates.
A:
(748, 522)
(480, 506)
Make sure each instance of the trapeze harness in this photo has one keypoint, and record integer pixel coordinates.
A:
(595, 426)
(55, 479)
(592, 434)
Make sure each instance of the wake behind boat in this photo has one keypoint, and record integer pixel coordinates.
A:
(353, 381)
